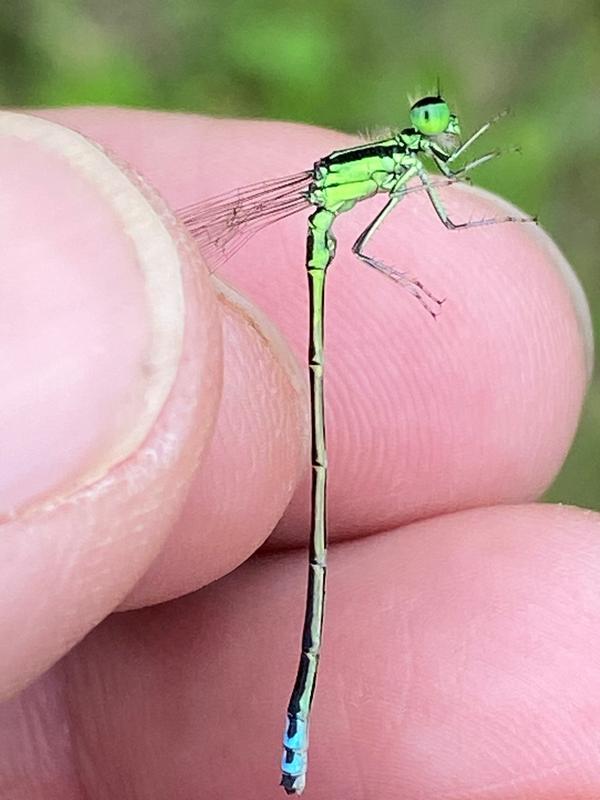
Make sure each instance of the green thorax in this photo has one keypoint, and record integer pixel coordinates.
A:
(346, 176)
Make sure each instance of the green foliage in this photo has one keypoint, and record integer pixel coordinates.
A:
(350, 64)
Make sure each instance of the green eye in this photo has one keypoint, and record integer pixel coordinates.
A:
(430, 115)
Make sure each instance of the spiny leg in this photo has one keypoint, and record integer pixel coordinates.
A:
(320, 252)
(443, 214)
(462, 171)
(415, 287)
(474, 136)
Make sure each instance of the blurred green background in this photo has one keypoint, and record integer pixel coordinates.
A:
(349, 64)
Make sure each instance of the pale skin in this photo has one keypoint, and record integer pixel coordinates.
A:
(475, 634)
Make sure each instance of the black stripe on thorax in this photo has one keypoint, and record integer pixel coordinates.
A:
(358, 153)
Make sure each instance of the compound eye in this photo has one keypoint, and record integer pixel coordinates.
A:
(430, 115)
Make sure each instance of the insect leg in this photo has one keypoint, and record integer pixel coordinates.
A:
(440, 210)
(414, 286)
(474, 136)
(462, 171)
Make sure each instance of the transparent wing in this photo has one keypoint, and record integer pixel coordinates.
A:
(222, 224)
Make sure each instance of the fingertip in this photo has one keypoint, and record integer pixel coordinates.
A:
(555, 260)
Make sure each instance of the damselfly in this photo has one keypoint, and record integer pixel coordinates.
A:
(333, 186)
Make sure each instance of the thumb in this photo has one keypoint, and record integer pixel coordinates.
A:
(110, 373)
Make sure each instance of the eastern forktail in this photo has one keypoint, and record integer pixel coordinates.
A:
(333, 186)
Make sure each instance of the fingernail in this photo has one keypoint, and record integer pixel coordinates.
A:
(91, 312)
